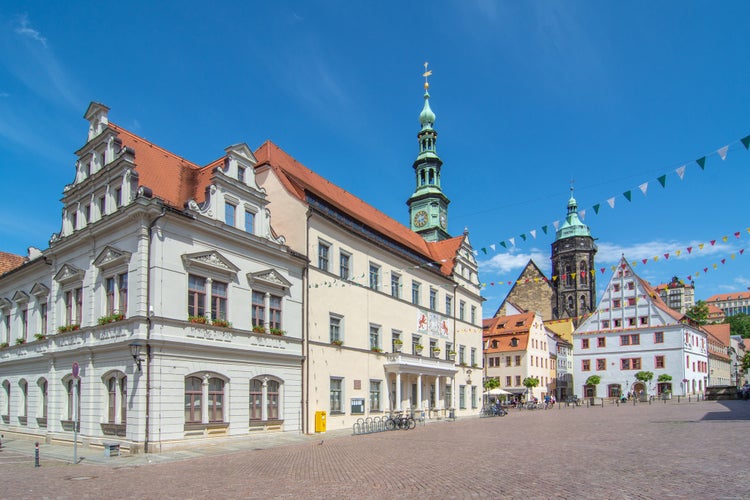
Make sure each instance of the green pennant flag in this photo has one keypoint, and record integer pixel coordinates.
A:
(628, 195)
(544, 228)
(701, 162)
(596, 208)
(502, 243)
(662, 180)
(523, 237)
(484, 250)
(746, 141)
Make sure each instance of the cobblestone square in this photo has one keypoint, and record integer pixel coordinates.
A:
(686, 450)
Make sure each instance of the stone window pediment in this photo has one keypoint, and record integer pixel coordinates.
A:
(69, 274)
(269, 278)
(111, 257)
(211, 261)
(5, 304)
(21, 297)
(40, 291)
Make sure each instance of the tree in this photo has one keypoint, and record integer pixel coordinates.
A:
(739, 324)
(745, 362)
(530, 382)
(491, 383)
(593, 380)
(698, 313)
(664, 377)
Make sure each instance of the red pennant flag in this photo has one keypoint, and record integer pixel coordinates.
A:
(742, 251)
(644, 260)
(527, 280)
(723, 260)
(690, 278)
(737, 234)
(712, 242)
(705, 269)
(602, 270)
(666, 256)
(689, 249)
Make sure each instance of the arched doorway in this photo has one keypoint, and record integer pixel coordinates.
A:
(639, 391)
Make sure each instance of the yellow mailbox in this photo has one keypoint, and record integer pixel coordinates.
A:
(320, 421)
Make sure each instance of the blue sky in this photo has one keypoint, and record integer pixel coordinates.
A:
(529, 96)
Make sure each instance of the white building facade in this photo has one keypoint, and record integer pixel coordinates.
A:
(183, 316)
(633, 330)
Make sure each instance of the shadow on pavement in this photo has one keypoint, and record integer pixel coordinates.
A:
(738, 410)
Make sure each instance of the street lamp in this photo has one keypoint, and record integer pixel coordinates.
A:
(135, 351)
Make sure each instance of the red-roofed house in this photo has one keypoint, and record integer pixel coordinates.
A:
(731, 303)
(632, 330)
(719, 360)
(9, 261)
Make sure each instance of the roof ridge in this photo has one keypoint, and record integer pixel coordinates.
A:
(156, 146)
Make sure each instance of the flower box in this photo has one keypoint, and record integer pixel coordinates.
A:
(201, 320)
(376, 349)
(40, 336)
(276, 331)
(20, 340)
(68, 328)
(337, 342)
(110, 318)
(221, 322)
(259, 329)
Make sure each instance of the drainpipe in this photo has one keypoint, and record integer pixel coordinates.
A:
(306, 328)
(149, 327)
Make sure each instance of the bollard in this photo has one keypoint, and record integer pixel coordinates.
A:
(678, 399)
(36, 454)
(602, 402)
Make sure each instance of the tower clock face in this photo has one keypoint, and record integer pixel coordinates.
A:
(420, 218)
(443, 220)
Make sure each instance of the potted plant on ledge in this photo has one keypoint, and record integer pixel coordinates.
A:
(259, 329)
(337, 342)
(221, 322)
(276, 331)
(451, 355)
(418, 348)
(398, 344)
(376, 349)
(200, 320)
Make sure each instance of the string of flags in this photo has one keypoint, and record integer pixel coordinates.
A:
(722, 153)
(354, 280)
(655, 258)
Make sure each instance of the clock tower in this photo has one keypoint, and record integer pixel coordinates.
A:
(428, 206)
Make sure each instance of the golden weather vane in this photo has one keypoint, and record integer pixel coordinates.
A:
(425, 75)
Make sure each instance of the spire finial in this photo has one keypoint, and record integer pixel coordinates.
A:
(425, 75)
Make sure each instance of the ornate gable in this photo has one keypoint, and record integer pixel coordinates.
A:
(110, 257)
(5, 304)
(68, 274)
(40, 290)
(268, 278)
(211, 261)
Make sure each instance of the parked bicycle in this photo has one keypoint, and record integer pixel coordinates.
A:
(493, 411)
(398, 420)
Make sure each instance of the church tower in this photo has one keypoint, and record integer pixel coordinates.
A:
(428, 206)
(573, 264)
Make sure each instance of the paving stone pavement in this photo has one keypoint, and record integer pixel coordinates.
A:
(694, 450)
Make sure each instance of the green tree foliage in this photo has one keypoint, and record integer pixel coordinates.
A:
(664, 377)
(739, 324)
(644, 376)
(698, 313)
(746, 362)
(491, 383)
(593, 380)
(530, 382)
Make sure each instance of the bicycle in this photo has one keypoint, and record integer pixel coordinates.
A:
(399, 421)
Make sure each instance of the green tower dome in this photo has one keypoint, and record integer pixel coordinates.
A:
(426, 117)
(572, 226)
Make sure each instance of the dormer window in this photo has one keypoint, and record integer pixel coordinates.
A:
(241, 174)
(514, 342)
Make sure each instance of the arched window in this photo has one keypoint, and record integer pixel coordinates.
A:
(582, 307)
(44, 392)
(273, 400)
(193, 390)
(570, 303)
(265, 399)
(215, 400)
(23, 411)
(6, 390)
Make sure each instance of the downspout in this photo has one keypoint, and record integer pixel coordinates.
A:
(306, 327)
(149, 327)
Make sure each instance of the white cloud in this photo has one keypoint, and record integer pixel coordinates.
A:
(24, 28)
(503, 263)
(610, 253)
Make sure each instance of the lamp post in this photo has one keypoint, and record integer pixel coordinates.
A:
(135, 351)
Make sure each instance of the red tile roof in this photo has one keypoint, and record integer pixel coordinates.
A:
(728, 296)
(298, 179)
(9, 261)
(657, 300)
(504, 328)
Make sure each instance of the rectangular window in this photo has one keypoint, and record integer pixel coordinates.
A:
(256, 399)
(396, 336)
(631, 321)
(616, 303)
(659, 362)
(87, 213)
(109, 290)
(518, 360)
(395, 285)
(644, 320)
(43, 315)
(601, 364)
(118, 197)
(584, 343)
(631, 301)
(449, 305)
(508, 380)
(374, 276)
(630, 285)
(218, 300)
(344, 265)
(461, 310)
(68, 298)
(636, 362)
(518, 381)
(615, 287)
(462, 354)
(507, 361)
(25, 324)
(196, 296)
(462, 396)
(78, 295)
(473, 356)
(375, 395)
(448, 351)
(258, 311)
(323, 256)
(605, 324)
(624, 339)
(658, 337)
(249, 222)
(601, 342)
(334, 328)
(635, 339)
(415, 341)
(336, 388)
(215, 400)
(274, 312)
(586, 365)
(374, 337)
(433, 299)
(230, 214)
(241, 174)
(102, 206)
(415, 292)
(618, 323)
(122, 293)
(474, 398)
